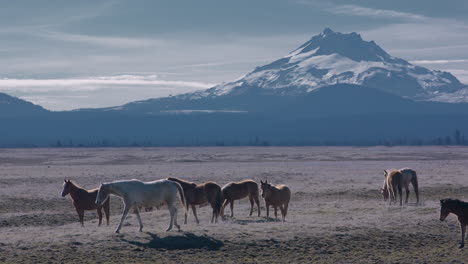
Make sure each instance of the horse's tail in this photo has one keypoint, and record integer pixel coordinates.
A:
(414, 181)
(181, 195)
(218, 201)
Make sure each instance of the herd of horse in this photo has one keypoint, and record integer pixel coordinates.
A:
(137, 194)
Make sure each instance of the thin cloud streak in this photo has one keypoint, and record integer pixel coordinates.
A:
(92, 83)
(438, 61)
(116, 42)
(356, 10)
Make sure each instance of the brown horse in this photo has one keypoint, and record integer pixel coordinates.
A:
(393, 180)
(238, 190)
(458, 208)
(408, 176)
(84, 200)
(198, 194)
(276, 196)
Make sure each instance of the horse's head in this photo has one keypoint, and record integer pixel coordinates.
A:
(384, 189)
(102, 194)
(66, 187)
(445, 208)
(265, 186)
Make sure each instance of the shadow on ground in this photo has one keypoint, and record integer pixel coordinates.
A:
(185, 241)
(263, 219)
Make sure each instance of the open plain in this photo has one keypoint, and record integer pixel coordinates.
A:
(336, 214)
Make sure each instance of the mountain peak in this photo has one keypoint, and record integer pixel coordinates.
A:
(326, 31)
(332, 58)
(350, 45)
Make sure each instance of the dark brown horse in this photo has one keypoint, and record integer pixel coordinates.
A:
(84, 200)
(238, 190)
(458, 208)
(276, 196)
(199, 194)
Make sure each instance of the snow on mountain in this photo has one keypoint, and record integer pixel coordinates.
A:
(332, 58)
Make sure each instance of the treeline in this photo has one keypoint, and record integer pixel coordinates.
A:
(455, 139)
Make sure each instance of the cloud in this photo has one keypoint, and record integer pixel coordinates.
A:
(356, 10)
(85, 83)
(116, 42)
(438, 61)
(102, 91)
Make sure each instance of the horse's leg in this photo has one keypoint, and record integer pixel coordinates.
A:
(282, 211)
(99, 212)
(232, 208)
(173, 213)
(258, 204)
(407, 193)
(251, 199)
(463, 230)
(400, 190)
(186, 212)
(392, 196)
(80, 215)
(416, 190)
(137, 212)
(124, 215)
(106, 210)
(225, 203)
(267, 209)
(175, 219)
(194, 210)
(276, 212)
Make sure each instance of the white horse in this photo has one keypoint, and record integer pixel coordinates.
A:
(409, 176)
(135, 193)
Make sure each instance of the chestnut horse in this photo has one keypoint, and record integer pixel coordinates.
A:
(198, 194)
(408, 176)
(84, 200)
(238, 190)
(394, 180)
(458, 208)
(276, 196)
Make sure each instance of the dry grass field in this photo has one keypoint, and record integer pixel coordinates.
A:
(336, 214)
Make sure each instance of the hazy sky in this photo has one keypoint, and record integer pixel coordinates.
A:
(74, 54)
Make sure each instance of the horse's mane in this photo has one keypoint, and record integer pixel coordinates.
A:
(76, 185)
(452, 201)
(180, 181)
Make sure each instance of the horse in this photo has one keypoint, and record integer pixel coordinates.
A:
(84, 200)
(198, 194)
(458, 208)
(238, 190)
(276, 196)
(393, 181)
(408, 176)
(135, 193)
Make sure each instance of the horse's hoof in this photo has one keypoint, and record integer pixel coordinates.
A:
(117, 231)
(461, 246)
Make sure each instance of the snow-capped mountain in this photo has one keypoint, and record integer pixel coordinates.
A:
(333, 58)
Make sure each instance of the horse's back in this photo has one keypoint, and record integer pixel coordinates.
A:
(407, 175)
(239, 190)
(284, 192)
(283, 188)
